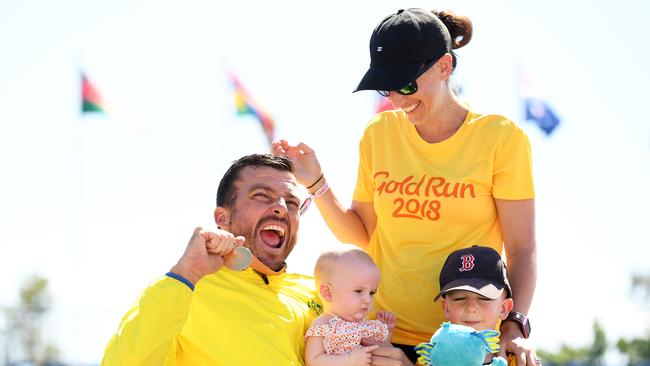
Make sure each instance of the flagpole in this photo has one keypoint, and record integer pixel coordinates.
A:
(78, 247)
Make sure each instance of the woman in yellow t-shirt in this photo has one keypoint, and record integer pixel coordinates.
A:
(434, 177)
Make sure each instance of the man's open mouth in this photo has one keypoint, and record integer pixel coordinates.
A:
(273, 235)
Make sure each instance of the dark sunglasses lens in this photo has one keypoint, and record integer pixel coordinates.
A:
(383, 93)
(409, 89)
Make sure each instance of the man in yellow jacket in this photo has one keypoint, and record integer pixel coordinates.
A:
(201, 313)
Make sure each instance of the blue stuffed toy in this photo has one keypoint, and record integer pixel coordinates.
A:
(458, 345)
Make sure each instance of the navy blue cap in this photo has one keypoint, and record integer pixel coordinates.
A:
(477, 269)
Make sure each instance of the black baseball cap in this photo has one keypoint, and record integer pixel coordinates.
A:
(401, 45)
(477, 269)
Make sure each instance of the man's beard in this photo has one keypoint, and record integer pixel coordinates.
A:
(250, 243)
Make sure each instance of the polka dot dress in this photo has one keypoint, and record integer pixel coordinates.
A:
(341, 337)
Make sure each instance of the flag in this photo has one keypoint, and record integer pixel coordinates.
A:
(90, 99)
(383, 104)
(536, 109)
(539, 112)
(245, 105)
(102, 106)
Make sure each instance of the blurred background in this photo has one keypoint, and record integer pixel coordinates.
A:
(99, 199)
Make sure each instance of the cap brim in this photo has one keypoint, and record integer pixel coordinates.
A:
(393, 77)
(479, 286)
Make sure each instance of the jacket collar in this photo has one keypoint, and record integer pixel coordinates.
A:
(261, 268)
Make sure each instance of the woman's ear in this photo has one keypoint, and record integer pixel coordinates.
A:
(445, 66)
(222, 217)
(506, 307)
(325, 290)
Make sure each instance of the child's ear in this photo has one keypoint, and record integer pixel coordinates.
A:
(325, 290)
(506, 307)
(445, 308)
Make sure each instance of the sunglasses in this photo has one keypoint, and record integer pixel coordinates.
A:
(412, 87)
(305, 204)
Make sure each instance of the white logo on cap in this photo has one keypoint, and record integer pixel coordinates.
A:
(379, 49)
(468, 263)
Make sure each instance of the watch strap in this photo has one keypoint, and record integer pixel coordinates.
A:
(521, 320)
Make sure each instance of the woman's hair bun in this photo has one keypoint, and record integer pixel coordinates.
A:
(459, 26)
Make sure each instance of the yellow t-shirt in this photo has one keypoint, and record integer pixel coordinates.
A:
(431, 199)
(231, 318)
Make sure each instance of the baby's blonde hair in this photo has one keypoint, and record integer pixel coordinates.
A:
(330, 261)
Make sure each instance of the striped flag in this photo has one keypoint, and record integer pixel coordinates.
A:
(246, 105)
(103, 106)
(90, 99)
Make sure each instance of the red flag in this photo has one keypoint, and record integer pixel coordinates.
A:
(383, 104)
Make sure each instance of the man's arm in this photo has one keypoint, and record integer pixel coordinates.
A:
(147, 333)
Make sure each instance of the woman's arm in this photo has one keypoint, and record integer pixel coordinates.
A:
(517, 218)
(350, 225)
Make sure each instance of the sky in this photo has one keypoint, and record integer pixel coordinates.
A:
(102, 205)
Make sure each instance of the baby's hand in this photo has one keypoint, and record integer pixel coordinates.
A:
(387, 318)
(361, 356)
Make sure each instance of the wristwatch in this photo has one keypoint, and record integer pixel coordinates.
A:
(521, 320)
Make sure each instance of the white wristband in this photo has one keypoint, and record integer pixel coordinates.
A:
(321, 191)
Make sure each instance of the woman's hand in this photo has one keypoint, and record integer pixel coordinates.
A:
(304, 159)
(513, 343)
